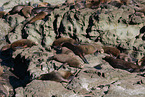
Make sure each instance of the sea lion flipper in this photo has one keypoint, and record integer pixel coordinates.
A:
(84, 59)
(61, 66)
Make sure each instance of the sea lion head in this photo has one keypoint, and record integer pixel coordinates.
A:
(107, 58)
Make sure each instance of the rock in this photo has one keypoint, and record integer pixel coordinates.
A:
(42, 89)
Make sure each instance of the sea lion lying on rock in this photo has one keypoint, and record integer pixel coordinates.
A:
(16, 9)
(121, 64)
(59, 41)
(23, 43)
(111, 50)
(67, 59)
(58, 76)
(83, 49)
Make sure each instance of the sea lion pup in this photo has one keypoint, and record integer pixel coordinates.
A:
(26, 11)
(83, 49)
(16, 9)
(58, 76)
(59, 41)
(121, 64)
(67, 59)
(23, 43)
(111, 50)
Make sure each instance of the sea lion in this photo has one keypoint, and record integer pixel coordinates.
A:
(2, 14)
(83, 49)
(26, 11)
(111, 50)
(16, 9)
(141, 61)
(23, 43)
(93, 3)
(42, 9)
(58, 76)
(59, 41)
(70, 1)
(67, 59)
(65, 50)
(1, 70)
(121, 64)
(43, 4)
(39, 16)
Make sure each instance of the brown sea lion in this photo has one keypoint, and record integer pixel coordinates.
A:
(83, 49)
(26, 11)
(125, 2)
(121, 64)
(2, 14)
(111, 50)
(23, 43)
(141, 61)
(70, 1)
(39, 16)
(58, 76)
(43, 4)
(97, 3)
(42, 9)
(1, 70)
(59, 41)
(16, 9)
(64, 50)
(67, 59)
(93, 3)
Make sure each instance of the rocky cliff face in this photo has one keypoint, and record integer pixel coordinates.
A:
(121, 27)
